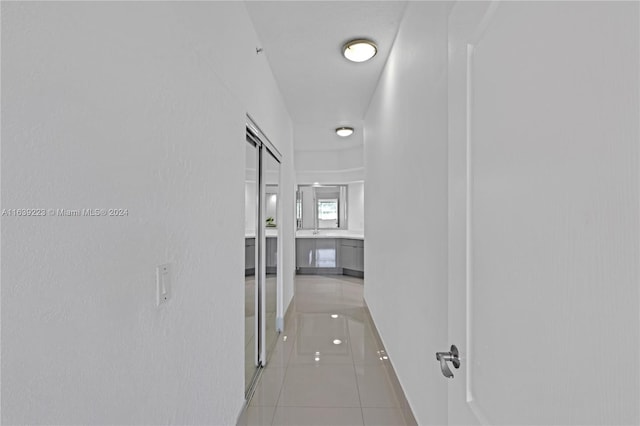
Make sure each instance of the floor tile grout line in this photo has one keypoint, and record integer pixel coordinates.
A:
(385, 367)
(355, 373)
(286, 369)
(314, 303)
(326, 406)
(342, 299)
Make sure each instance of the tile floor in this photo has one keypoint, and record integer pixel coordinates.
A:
(327, 367)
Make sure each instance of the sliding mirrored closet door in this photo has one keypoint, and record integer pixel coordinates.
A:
(262, 237)
(271, 170)
(251, 195)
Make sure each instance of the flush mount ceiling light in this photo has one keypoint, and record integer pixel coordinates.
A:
(359, 50)
(343, 132)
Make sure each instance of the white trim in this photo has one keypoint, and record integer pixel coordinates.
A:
(263, 138)
(328, 172)
(469, 236)
(352, 146)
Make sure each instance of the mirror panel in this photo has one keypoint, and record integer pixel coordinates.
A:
(272, 179)
(321, 207)
(251, 361)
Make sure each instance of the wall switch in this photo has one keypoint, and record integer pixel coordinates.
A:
(163, 283)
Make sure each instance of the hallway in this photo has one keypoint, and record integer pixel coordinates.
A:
(489, 149)
(328, 367)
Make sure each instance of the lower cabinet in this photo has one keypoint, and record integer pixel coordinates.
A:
(249, 256)
(305, 249)
(317, 256)
(352, 257)
(330, 256)
(271, 255)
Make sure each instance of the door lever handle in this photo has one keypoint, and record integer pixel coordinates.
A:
(452, 356)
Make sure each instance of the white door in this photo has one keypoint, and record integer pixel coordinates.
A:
(544, 212)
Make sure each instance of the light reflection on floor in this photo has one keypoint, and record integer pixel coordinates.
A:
(327, 367)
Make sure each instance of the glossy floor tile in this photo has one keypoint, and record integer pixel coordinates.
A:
(382, 416)
(303, 416)
(319, 386)
(327, 368)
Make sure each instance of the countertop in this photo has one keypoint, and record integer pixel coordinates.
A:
(330, 233)
(271, 232)
(308, 233)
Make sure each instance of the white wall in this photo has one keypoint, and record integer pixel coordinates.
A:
(322, 156)
(306, 177)
(355, 210)
(315, 136)
(139, 106)
(330, 166)
(406, 205)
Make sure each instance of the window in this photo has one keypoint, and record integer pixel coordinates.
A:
(328, 213)
(328, 209)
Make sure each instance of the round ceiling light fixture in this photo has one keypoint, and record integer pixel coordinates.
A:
(343, 132)
(359, 50)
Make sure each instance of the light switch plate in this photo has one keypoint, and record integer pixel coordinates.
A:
(163, 283)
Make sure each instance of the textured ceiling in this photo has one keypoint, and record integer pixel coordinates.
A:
(322, 90)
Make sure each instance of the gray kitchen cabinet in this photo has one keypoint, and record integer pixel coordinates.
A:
(271, 255)
(317, 256)
(347, 254)
(330, 256)
(326, 253)
(360, 259)
(305, 248)
(249, 256)
(352, 257)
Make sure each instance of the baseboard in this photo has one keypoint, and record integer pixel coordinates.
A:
(288, 315)
(407, 413)
(290, 309)
(242, 420)
(318, 271)
(352, 273)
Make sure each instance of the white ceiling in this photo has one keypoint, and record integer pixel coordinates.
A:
(303, 43)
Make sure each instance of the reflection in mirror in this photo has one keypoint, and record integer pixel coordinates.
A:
(251, 361)
(321, 207)
(271, 213)
(272, 177)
